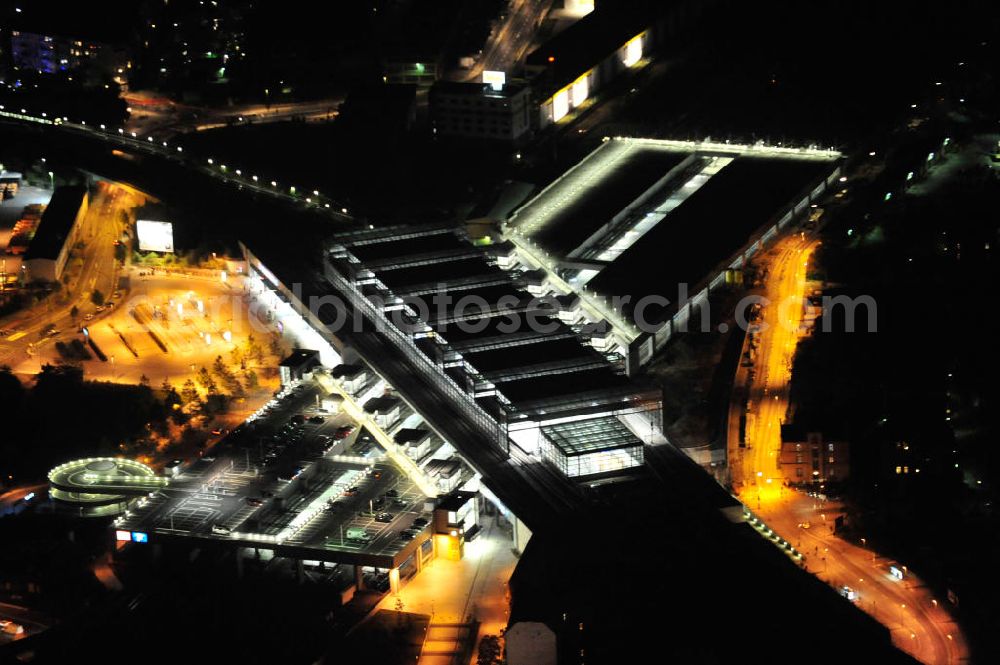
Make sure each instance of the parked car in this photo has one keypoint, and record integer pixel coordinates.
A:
(384, 518)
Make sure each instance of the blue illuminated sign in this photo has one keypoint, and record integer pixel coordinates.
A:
(140, 537)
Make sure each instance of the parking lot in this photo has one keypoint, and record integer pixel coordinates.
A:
(294, 478)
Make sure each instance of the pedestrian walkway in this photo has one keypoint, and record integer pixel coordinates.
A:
(458, 593)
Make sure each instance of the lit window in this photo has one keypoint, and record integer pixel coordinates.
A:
(581, 89)
(633, 51)
(560, 105)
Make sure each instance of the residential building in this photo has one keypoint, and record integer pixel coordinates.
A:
(806, 457)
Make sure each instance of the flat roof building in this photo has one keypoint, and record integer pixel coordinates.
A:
(497, 349)
(298, 364)
(482, 111)
(641, 230)
(57, 232)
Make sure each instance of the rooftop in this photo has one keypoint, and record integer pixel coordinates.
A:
(299, 357)
(455, 500)
(532, 366)
(590, 40)
(708, 227)
(553, 389)
(368, 252)
(585, 210)
(410, 435)
(56, 223)
(580, 437)
(438, 272)
(477, 89)
(544, 352)
(638, 217)
(347, 371)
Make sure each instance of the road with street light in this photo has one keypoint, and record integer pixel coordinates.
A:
(511, 38)
(168, 119)
(919, 623)
(98, 270)
(756, 469)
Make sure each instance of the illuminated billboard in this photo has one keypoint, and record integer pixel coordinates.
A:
(140, 537)
(155, 236)
(123, 536)
(496, 80)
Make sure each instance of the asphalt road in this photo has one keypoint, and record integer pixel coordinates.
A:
(167, 119)
(510, 41)
(101, 227)
(918, 622)
(768, 403)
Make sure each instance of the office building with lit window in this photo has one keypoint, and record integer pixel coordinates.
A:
(807, 458)
(500, 112)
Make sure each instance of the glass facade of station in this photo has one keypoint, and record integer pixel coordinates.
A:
(594, 446)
